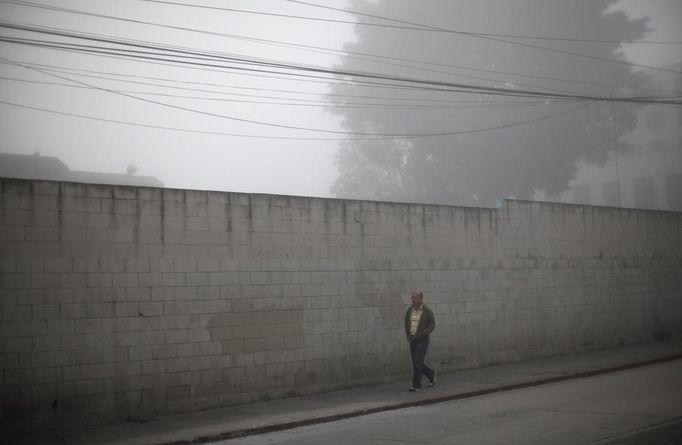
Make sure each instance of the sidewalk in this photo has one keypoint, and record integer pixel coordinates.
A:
(257, 418)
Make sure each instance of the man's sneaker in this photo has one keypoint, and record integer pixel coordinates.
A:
(413, 389)
(433, 380)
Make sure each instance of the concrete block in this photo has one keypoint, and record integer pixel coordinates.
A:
(45, 280)
(173, 279)
(9, 361)
(232, 346)
(244, 359)
(100, 310)
(102, 371)
(88, 356)
(261, 278)
(125, 280)
(124, 368)
(217, 238)
(151, 337)
(153, 367)
(25, 328)
(33, 360)
(197, 279)
(96, 279)
(140, 353)
(199, 335)
(179, 365)
(189, 321)
(151, 309)
(11, 342)
(126, 309)
(166, 351)
(141, 382)
(88, 326)
(188, 350)
(16, 281)
(161, 264)
(211, 376)
(177, 393)
(17, 378)
(16, 312)
(149, 212)
(153, 279)
(275, 370)
(12, 216)
(137, 265)
(177, 336)
(192, 238)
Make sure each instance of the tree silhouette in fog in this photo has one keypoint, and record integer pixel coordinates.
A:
(502, 146)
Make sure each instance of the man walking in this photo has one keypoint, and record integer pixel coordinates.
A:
(419, 323)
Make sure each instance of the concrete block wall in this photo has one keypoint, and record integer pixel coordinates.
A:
(122, 302)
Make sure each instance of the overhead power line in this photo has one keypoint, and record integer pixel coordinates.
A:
(249, 121)
(283, 101)
(118, 76)
(416, 27)
(480, 35)
(286, 68)
(349, 54)
(377, 138)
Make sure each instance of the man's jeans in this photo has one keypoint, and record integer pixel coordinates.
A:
(418, 352)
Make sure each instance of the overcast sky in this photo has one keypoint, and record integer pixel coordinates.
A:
(244, 128)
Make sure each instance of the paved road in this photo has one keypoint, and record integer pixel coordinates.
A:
(627, 407)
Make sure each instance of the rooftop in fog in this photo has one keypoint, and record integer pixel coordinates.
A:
(53, 169)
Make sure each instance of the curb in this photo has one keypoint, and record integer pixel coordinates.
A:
(227, 435)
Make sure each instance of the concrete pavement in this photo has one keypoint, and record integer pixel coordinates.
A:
(225, 423)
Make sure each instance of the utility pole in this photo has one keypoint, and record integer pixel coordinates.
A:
(615, 147)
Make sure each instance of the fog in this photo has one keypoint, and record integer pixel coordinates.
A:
(448, 102)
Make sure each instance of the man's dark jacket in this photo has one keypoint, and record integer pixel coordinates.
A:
(427, 323)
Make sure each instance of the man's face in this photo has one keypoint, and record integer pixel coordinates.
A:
(417, 299)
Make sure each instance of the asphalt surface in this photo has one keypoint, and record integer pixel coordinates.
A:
(664, 433)
(581, 411)
(280, 415)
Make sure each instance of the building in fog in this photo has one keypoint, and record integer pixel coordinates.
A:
(52, 169)
(647, 177)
